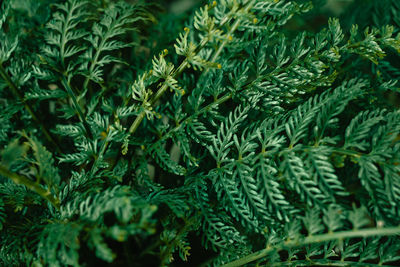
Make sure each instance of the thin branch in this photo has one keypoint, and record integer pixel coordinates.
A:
(185, 121)
(328, 262)
(182, 67)
(315, 239)
(19, 179)
(135, 125)
(18, 95)
(77, 107)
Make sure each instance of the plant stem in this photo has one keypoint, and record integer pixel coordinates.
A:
(315, 239)
(100, 156)
(134, 126)
(231, 31)
(96, 58)
(18, 179)
(182, 67)
(77, 107)
(328, 262)
(217, 102)
(157, 96)
(17, 94)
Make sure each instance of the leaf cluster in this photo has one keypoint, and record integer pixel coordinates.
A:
(240, 140)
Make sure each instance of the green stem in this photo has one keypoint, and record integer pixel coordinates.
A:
(182, 67)
(217, 102)
(348, 152)
(63, 38)
(337, 150)
(157, 96)
(96, 56)
(315, 239)
(18, 179)
(77, 107)
(14, 90)
(231, 31)
(327, 262)
(100, 156)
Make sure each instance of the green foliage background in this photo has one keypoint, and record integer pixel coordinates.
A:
(221, 133)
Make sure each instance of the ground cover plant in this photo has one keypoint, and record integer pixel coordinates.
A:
(237, 132)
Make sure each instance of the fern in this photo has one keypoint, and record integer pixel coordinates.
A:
(234, 133)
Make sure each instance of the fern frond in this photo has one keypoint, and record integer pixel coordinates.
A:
(118, 19)
(359, 128)
(3, 215)
(300, 180)
(63, 34)
(224, 138)
(219, 233)
(279, 144)
(59, 244)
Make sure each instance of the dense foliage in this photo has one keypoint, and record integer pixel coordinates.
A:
(239, 132)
